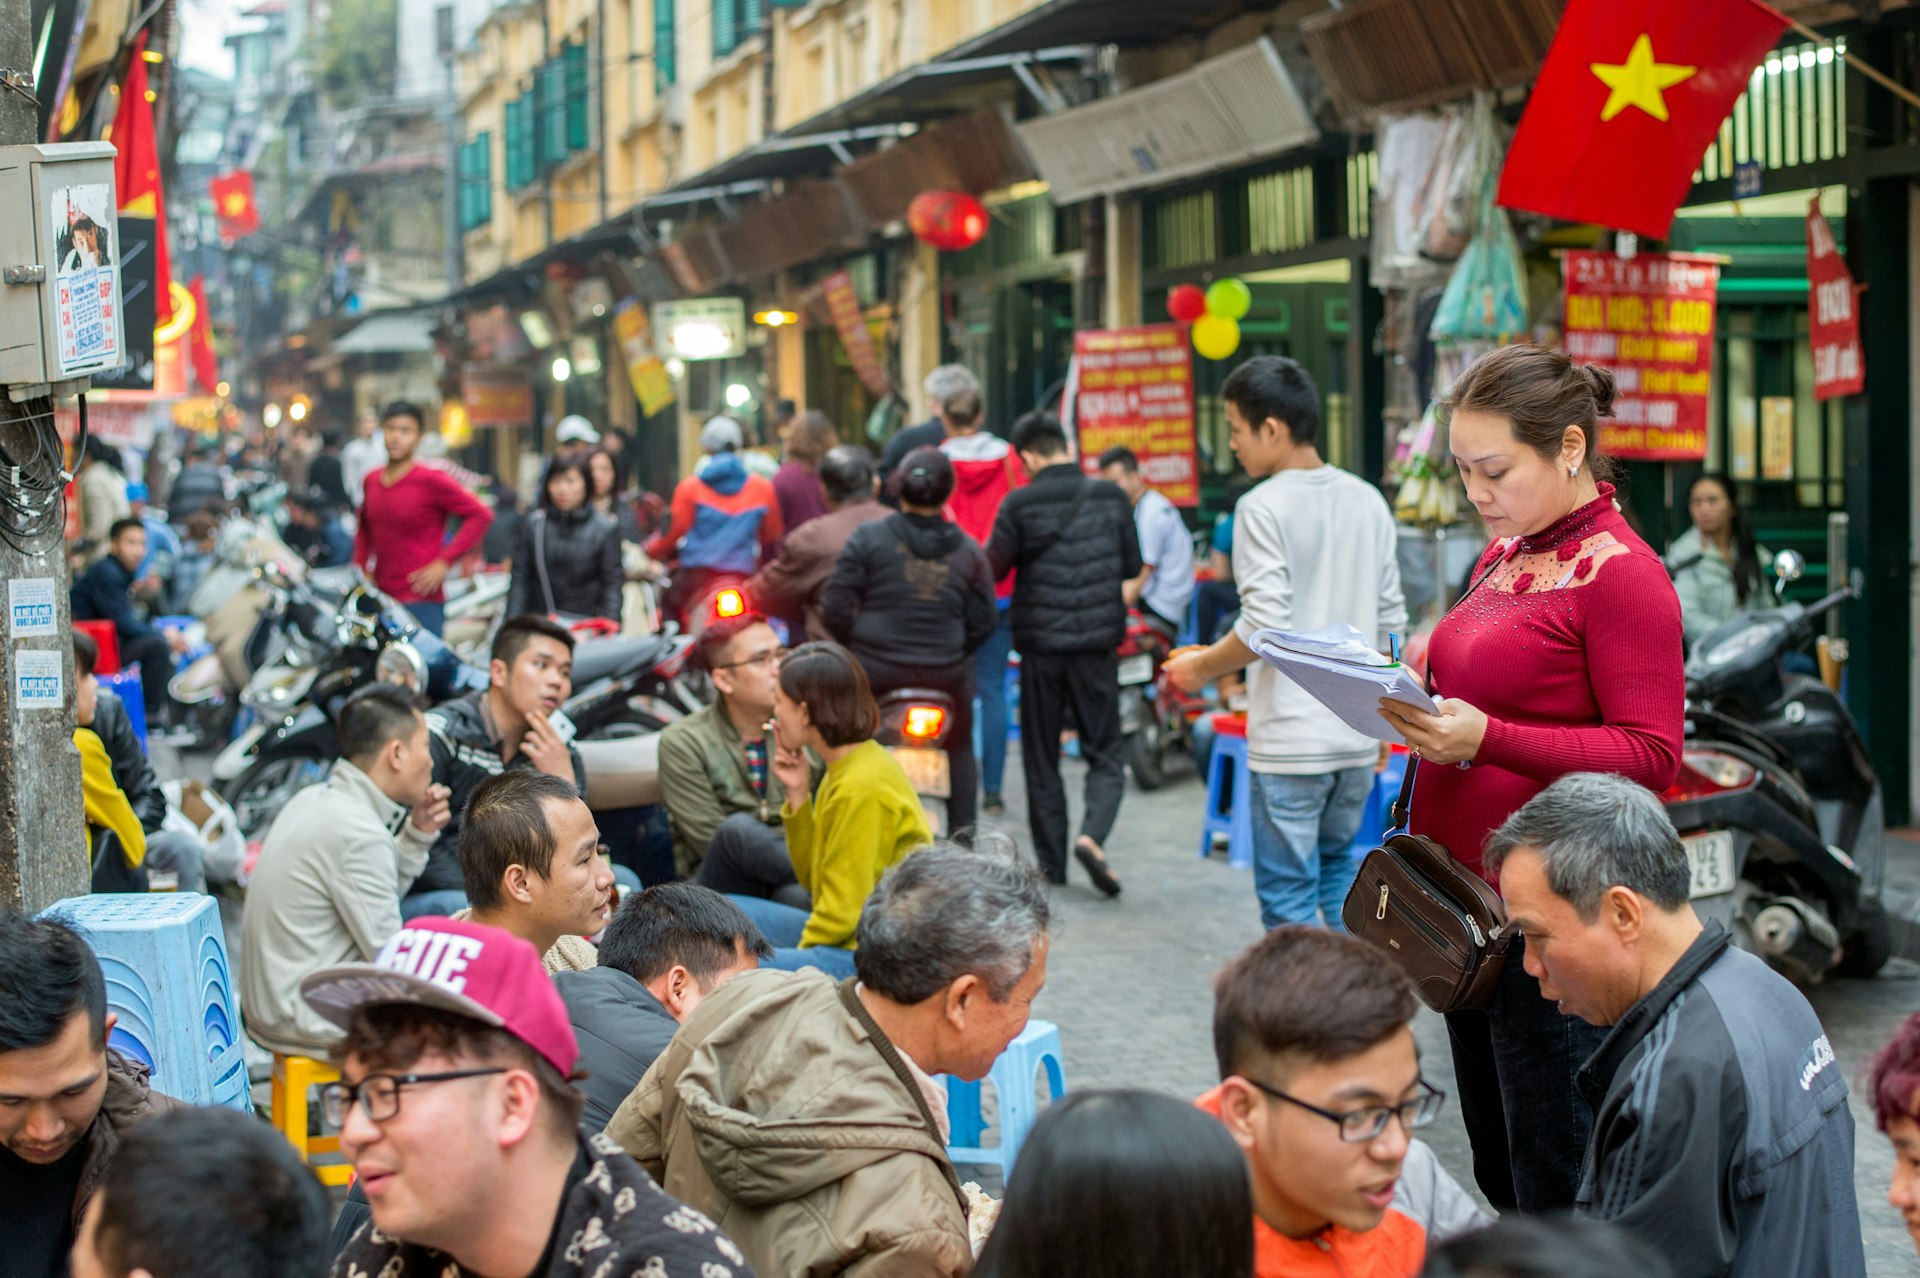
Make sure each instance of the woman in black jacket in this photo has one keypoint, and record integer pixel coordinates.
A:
(912, 596)
(568, 557)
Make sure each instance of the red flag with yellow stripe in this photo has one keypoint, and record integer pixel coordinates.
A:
(136, 173)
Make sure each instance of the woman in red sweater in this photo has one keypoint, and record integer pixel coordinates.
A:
(1565, 657)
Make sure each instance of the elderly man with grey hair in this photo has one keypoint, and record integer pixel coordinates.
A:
(1721, 1132)
(802, 1115)
(946, 380)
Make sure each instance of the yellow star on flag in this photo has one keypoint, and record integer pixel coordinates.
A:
(234, 204)
(1637, 82)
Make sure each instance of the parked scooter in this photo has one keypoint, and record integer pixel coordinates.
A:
(913, 729)
(1777, 801)
(1156, 717)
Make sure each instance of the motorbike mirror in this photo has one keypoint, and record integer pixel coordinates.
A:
(1788, 565)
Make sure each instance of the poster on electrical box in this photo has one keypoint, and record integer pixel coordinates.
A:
(86, 278)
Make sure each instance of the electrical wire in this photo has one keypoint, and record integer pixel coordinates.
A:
(33, 512)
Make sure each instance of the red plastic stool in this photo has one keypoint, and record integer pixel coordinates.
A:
(105, 638)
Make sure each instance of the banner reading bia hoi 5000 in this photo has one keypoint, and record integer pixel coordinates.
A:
(1135, 390)
(1649, 318)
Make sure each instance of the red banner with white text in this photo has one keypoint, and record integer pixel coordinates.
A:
(1648, 318)
(1134, 389)
(1834, 313)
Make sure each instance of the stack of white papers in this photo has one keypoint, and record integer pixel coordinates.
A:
(1343, 672)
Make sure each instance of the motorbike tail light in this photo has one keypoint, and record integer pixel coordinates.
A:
(729, 603)
(1704, 772)
(925, 723)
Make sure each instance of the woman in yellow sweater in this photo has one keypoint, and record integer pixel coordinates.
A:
(864, 819)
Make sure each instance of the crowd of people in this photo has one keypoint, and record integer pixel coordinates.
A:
(547, 1069)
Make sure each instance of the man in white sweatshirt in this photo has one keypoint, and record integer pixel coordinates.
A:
(1313, 546)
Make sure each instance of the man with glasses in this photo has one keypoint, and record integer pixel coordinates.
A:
(456, 1108)
(1321, 1088)
(722, 799)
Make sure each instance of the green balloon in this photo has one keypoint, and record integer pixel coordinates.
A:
(1229, 299)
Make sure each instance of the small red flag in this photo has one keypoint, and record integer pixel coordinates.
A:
(1627, 100)
(205, 370)
(234, 205)
(1834, 311)
(136, 173)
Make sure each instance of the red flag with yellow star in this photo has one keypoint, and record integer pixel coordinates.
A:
(1627, 100)
(233, 204)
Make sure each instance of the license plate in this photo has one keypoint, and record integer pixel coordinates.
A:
(926, 770)
(1136, 669)
(1711, 856)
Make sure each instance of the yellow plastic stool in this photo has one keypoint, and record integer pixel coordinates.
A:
(293, 1077)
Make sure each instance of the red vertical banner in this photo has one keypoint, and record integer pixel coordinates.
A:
(1135, 390)
(844, 305)
(1648, 318)
(1833, 312)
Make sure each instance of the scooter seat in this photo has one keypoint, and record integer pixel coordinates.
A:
(596, 659)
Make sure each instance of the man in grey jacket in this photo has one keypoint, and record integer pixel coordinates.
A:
(334, 866)
(1721, 1132)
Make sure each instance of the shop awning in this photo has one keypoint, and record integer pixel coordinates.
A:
(1122, 22)
(404, 334)
(1399, 55)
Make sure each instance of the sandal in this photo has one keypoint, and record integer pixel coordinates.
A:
(1094, 861)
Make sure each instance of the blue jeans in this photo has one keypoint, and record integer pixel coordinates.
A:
(780, 924)
(1302, 829)
(431, 616)
(441, 901)
(990, 684)
(835, 962)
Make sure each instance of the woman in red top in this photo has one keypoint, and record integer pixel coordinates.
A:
(1565, 657)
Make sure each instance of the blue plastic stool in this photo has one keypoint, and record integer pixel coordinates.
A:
(1012, 1076)
(1229, 798)
(1377, 818)
(164, 956)
(125, 684)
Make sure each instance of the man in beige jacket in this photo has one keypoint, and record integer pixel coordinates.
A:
(803, 1116)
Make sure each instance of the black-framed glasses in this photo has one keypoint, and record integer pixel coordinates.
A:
(761, 658)
(379, 1094)
(1358, 1126)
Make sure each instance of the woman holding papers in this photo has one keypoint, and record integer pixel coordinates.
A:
(1564, 657)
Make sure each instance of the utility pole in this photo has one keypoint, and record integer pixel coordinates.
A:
(450, 111)
(43, 841)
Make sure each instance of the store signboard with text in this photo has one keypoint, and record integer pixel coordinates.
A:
(1833, 313)
(1648, 318)
(1133, 388)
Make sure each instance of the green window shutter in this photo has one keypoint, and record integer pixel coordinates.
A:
(520, 160)
(551, 145)
(664, 69)
(579, 100)
(750, 14)
(476, 182)
(726, 27)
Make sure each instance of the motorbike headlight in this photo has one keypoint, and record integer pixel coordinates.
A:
(402, 663)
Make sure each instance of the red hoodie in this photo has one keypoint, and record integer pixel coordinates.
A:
(985, 470)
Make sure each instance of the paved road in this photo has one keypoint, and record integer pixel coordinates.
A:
(1129, 985)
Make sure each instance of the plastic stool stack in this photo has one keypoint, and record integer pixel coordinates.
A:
(1037, 1048)
(1377, 817)
(1229, 801)
(171, 986)
(293, 1078)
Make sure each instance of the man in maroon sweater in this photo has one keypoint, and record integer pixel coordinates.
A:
(402, 538)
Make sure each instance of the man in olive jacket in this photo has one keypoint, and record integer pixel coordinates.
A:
(803, 1117)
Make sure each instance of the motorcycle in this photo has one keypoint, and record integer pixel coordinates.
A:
(913, 729)
(1156, 717)
(1777, 801)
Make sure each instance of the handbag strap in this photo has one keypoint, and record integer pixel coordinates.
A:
(1402, 808)
(540, 558)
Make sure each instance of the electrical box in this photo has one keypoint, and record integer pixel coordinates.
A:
(60, 317)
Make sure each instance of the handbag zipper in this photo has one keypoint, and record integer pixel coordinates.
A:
(1433, 894)
(1421, 925)
(1381, 914)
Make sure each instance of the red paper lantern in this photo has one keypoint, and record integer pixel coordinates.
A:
(1186, 303)
(948, 220)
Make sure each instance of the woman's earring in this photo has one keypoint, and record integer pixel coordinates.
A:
(1573, 472)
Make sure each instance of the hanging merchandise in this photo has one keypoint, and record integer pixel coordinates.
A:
(1216, 336)
(1186, 303)
(1486, 298)
(948, 220)
(1410, 148)
(1230, 298)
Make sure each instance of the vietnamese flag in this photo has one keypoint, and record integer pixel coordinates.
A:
(136, 173)
(206, 370)
(1630, 95)
(234, 205)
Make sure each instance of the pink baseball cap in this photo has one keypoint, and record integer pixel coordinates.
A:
(462, 967)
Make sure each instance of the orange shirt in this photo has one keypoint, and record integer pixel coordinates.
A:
(1395, 1248)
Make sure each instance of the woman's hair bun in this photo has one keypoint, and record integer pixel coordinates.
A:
(1601, 379)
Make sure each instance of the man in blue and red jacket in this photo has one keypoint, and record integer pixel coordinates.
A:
(724, 519)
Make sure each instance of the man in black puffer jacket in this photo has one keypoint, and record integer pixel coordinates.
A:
(1073, 543)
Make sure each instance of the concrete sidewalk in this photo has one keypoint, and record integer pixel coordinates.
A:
(1903, 891)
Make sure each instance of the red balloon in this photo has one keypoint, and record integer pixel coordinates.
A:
(1186, 303)
(948, 220)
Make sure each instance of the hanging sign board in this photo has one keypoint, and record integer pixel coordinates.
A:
(1834, 313)
(1648, 318)
(843, 304)
(652, 388)
(1134, 389)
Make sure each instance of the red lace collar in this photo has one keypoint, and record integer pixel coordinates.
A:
(1574, 527)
